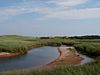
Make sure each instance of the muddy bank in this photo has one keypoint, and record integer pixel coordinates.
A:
(8, 55)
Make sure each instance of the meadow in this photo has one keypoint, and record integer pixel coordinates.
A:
(87, 46)
(14, 43)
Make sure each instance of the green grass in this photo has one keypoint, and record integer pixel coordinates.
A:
(14, 43)
(22, 44)
(90, 49)
(14, 46)
(88, 69)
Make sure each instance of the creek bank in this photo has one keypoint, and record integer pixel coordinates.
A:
(8, 55)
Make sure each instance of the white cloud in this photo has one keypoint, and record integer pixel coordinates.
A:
(6, 13)
(21, 10)
(28, 7)
(75, 14)
(61, 10)
(68, 3)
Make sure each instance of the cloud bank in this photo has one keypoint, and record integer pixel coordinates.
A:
(56, 9)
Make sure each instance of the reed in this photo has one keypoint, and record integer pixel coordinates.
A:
(22, 44)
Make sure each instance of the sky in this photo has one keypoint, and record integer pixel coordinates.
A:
(50, 17)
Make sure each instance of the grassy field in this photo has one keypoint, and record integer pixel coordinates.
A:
(13, 43)
(90, 47)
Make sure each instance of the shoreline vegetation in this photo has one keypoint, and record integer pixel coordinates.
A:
(88, 45)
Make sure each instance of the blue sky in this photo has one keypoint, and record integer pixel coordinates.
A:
(50, 17)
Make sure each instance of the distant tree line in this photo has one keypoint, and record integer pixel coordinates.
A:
(76, 37)
(86, 37)
(60, 37)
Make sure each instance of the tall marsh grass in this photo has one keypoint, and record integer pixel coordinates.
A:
(90, 49)
(22, 44)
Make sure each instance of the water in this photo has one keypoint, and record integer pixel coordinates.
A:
(34, 58)
(86, 59)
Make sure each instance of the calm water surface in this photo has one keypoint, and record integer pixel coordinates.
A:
(34, 58)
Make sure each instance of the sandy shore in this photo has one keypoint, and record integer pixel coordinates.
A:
(8, 55)
(66, 57)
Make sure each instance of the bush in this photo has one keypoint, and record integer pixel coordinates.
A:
(88, 49)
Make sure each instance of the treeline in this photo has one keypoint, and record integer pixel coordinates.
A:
(74, 37)
(52, 37)
(60, 37)
(86, 37)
